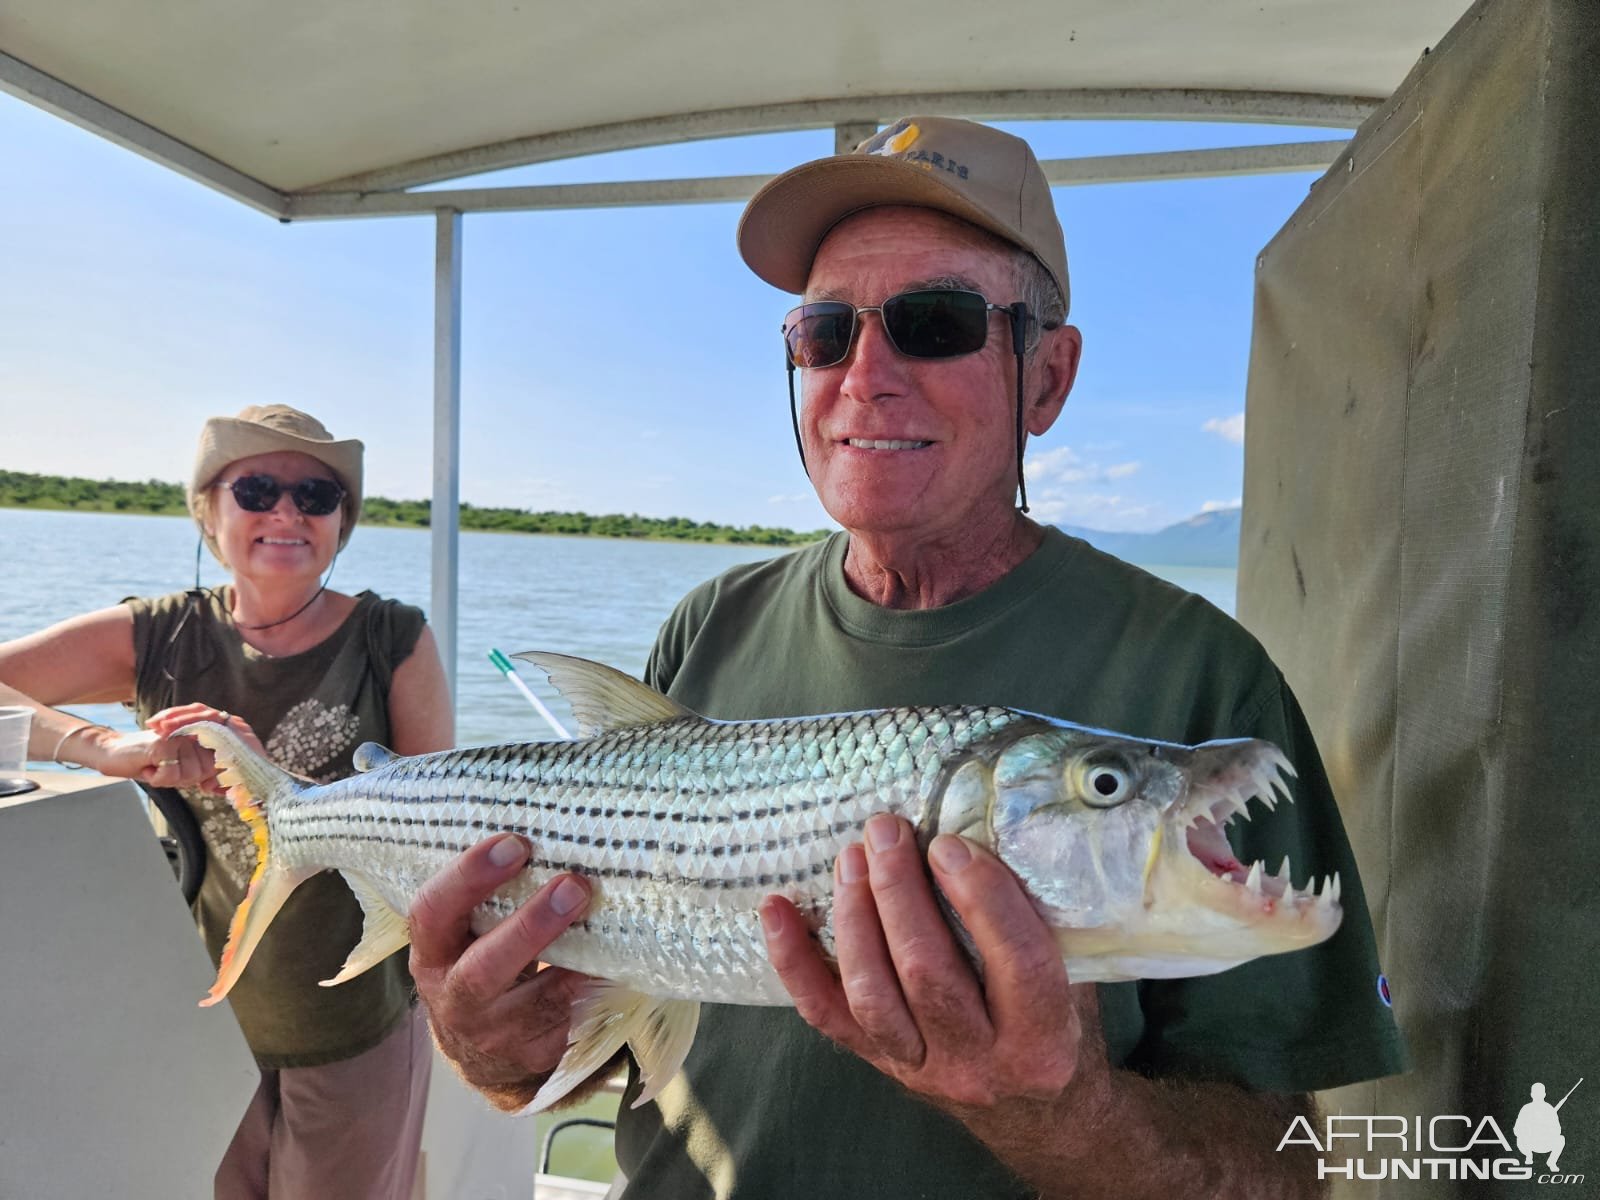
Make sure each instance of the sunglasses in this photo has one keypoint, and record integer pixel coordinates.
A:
(927, 323)
(259, 494)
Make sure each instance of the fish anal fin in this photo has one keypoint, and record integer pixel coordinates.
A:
(659, 1032)
(383, 930)
(370, 755)
(662, 1046)
(602, 697)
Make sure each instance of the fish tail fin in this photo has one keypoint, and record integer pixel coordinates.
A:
(255, 786)
(659, 1032)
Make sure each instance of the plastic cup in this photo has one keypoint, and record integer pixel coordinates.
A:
(14, 723)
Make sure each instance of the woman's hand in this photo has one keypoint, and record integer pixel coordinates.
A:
(175, 761)
(147, 757)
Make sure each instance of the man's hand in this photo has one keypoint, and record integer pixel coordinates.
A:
(907, 999)
(495, 1014)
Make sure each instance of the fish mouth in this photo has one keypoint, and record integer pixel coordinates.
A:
(1225, 779)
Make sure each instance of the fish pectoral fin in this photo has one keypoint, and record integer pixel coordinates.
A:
(383, 930)
(602, 697)
(370, 755)
(659, 1032)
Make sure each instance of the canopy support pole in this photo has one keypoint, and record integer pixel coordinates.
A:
(444, 518)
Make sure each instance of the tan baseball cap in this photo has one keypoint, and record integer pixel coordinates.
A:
(264, 429)
(971, 171)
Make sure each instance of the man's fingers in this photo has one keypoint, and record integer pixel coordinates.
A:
(491, 965)
(818, 998)
(940, 989)
(443, 906)
(1025, 979)
(867, 968)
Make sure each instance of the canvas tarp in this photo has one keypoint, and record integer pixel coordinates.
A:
(1419, 553)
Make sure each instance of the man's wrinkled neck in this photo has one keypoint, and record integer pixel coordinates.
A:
(914, 571)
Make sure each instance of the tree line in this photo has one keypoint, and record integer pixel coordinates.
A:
(21, 490)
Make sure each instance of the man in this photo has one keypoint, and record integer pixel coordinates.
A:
(917, 398)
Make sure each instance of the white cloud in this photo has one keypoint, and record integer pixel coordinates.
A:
(1062, 490)
(1051, 464)
(1094, 510)
(1221, 505)
(1229, 429)
(792, 498)
(1064, 466)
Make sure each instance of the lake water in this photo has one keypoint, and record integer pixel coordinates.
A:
(593, 597)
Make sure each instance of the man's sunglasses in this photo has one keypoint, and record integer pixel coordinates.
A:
(927, 323)
(259, 494)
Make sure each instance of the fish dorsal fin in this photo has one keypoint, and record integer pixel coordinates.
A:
(369, 756)
(602, 697)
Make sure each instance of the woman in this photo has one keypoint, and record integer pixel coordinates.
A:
(313, 673)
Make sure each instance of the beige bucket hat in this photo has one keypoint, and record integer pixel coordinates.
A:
(979, 174)
(266, 429)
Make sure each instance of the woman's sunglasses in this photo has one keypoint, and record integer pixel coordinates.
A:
(928, 323)
(259, 494)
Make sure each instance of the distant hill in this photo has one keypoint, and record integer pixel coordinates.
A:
(1208, 539)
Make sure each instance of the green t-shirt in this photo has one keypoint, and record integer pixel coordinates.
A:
(771, 1109)
(310, 710)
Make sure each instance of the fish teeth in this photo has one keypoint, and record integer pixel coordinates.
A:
(1283, 874)
(1266, 781)
(1336, 886)
(1253, 881)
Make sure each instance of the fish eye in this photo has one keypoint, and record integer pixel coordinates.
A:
(1104, 784)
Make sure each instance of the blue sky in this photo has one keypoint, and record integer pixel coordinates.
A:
(612, 360)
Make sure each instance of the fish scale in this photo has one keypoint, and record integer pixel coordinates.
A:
(683, 827)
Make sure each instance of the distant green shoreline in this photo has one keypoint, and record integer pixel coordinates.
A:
(153, 497)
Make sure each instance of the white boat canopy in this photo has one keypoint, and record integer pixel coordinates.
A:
(288, 104)
(309, 109)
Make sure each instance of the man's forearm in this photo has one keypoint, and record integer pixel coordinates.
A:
(1163, 1140)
